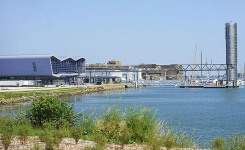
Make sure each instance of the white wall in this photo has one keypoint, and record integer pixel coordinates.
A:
(18, 82)
(132, 76)
(102, 74)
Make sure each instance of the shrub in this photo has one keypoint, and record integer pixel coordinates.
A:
(23, 132)
(52, 138)
(108, 122)
(154, 143)
(236, 141)
(185, 140)
(169, 142)
(52, 109)
(87, 124)
(100, 140)
(6, 130)
(124, 134)
(218, 144)
(142, 122)
(76, 133)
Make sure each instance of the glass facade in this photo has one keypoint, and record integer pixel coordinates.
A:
(68, 65)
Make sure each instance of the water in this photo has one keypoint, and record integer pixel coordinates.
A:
(209, 112)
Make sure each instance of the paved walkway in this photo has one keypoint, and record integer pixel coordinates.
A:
(49, 87)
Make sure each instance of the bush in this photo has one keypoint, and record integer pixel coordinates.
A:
(218, 144)
(100, 140)
(52, 138)
(87, 124)
(54, 110)
(23, 132)
(108, 122)
(76, 133)
(186, 140)
(124, 134)
(6, 130)
(236, 141)
(169, 142)
(142, 122)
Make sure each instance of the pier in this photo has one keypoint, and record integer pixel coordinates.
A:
(203, 86)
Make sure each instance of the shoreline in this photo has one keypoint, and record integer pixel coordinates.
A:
(70, 144)
(28, 94)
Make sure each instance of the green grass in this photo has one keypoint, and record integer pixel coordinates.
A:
(7, 96)
(233, 142)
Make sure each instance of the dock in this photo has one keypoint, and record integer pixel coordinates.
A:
(204, 86)
(214, 86)
(191, 86)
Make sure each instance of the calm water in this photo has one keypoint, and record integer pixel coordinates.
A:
(209, 112)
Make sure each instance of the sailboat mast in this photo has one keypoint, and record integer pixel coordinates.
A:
(243, 71)
(201, 64)
(206, 70)
(194, 63)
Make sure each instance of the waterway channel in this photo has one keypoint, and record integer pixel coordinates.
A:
(207, 112)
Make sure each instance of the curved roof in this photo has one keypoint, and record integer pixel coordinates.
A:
(64, 59)
(37, 56)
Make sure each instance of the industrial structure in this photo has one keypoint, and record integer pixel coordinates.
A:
(231, 54)
(145, 71)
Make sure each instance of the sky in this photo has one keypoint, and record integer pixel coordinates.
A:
(133, 32)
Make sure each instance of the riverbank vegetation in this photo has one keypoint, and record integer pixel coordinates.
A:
(10, 97)
(52, 120)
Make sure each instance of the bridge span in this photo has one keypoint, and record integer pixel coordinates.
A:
(153, 67)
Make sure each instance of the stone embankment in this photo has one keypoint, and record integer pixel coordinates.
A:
(78, 91)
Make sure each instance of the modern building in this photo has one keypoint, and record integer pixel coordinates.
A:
(231, 53)
(43, 68)
(110, 76)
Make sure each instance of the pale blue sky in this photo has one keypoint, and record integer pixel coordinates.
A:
(132, 31)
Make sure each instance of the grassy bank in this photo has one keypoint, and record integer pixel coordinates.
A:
(50, 121)
(17, 96)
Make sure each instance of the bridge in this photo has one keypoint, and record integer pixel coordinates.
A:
(172, 71)
(153, 67)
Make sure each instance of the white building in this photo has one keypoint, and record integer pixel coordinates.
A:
(110, 76)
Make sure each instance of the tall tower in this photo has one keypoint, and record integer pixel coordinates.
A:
(231, 54)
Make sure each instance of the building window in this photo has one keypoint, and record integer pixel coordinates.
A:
(34, 66)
